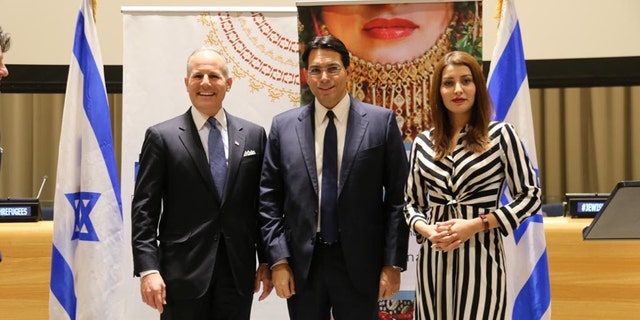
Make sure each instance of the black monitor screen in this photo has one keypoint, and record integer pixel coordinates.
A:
(589, 206)
(619, 218)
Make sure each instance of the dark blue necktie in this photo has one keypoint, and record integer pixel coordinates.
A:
(328, 205)
(217, 160)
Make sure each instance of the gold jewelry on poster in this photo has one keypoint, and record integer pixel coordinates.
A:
(402, 87)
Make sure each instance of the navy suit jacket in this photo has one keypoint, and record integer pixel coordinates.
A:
(175, 203)
(373, 173)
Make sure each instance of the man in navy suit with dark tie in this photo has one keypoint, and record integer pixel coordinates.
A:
(332, 195)
(195, 207)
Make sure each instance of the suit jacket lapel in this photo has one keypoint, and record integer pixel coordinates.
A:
(356, 128)
(304, 130)
(188, 134)
(236, 147)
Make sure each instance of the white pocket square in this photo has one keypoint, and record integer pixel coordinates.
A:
(248, 153)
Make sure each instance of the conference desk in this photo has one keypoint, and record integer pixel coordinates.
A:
(24, 270)
(589, 279)
(594, 279)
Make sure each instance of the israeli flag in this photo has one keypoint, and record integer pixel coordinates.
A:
(88, 242)
(528, 289)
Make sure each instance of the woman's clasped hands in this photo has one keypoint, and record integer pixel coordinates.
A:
(450, 235)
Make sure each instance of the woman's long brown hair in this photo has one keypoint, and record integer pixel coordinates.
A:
(477, 136)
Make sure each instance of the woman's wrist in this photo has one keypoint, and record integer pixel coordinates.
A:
(484, 223)
(422, 228)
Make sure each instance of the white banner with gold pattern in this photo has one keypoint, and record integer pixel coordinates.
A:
(261, 46)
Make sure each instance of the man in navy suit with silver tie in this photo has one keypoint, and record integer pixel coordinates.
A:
(195, 207)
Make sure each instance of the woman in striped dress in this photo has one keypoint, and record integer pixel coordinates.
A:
(458, 171)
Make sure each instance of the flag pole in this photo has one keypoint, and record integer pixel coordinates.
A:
(498, 15)
(94, 6)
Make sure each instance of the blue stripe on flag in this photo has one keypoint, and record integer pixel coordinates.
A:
(62, 286)
(522, 228)
(503, 89)
(531, 302)
(95, 103)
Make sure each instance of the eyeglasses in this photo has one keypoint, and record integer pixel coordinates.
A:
(332, 70)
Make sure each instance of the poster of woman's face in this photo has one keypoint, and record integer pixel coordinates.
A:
(393, 49)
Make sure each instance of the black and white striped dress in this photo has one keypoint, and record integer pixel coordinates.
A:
(469, 282)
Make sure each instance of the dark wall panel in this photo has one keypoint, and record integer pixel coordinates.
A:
(561, 73)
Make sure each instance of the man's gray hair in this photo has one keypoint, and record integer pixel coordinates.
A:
(212, 49)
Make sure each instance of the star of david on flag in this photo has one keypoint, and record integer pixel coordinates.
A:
(83, 203)
(88, 241)
(528, 288)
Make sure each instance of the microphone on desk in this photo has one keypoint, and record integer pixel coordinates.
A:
(44, 180)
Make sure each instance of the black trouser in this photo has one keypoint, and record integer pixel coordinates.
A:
(329, 290)
(222, 301)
